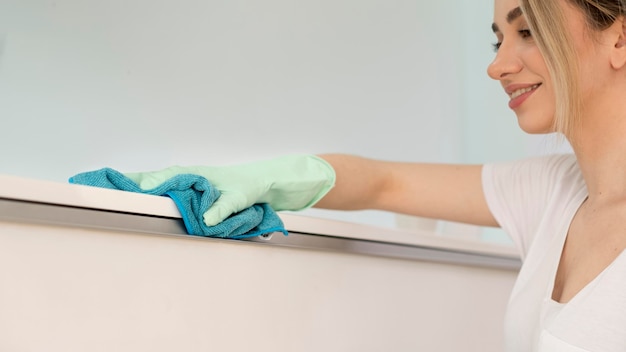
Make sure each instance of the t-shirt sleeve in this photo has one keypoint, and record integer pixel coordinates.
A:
(517, 193)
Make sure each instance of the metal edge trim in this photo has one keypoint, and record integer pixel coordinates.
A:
(22, 211)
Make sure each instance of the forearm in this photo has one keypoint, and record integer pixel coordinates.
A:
(359, 182)
(441, 191)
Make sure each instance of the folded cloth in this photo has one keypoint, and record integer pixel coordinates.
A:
(193, 195)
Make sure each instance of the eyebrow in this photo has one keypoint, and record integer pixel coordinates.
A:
(510, 17)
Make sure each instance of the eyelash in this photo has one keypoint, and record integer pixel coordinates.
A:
(524, 33)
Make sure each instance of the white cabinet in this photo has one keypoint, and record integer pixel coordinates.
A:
(87, 269)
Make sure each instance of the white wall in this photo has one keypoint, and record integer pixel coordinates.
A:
(63, 292)
(144, 84)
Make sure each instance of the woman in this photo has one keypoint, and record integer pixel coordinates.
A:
(563, 65)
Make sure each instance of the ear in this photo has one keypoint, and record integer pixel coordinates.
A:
(618, 54)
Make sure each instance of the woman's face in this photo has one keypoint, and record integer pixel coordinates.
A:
(521, 69)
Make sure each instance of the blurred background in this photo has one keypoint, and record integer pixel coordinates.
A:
(144, 84)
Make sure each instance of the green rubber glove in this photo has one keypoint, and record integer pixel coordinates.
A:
(293, 182)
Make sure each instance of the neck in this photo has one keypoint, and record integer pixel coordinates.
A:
(600, 147)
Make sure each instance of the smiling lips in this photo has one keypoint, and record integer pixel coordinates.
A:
(519, 93)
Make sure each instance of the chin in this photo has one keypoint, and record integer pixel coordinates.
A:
(534, 125)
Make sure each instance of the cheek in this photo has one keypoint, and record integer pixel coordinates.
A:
(536, 63)
(549, 113)
(539, 72)
(547, 106)
(538, 116)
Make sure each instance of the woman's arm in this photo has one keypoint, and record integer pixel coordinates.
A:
(439, 191)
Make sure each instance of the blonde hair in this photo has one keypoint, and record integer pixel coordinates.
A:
(547, 22)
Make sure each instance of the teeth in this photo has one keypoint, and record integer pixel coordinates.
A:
(519, 92)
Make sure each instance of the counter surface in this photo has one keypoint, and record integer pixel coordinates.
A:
(30, 200)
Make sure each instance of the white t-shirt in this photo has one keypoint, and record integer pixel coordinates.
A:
(534, 201)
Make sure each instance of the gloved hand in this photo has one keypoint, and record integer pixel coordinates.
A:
(293, 182)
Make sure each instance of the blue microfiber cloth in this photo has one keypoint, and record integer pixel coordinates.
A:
(193, 195)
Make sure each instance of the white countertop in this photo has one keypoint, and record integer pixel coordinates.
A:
(50, 192)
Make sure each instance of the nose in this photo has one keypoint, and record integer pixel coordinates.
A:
(505, 63)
